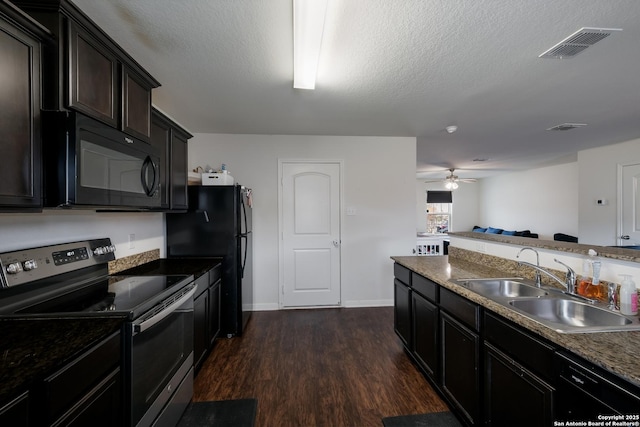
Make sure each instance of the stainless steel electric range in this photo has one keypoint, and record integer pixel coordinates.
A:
(72, 279)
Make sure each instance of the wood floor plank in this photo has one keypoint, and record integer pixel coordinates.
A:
(323, 367)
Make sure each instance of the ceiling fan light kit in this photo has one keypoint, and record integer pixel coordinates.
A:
(451, 181)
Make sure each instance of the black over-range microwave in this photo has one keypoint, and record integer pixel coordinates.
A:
(88, 164)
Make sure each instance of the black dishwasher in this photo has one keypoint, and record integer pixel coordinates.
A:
(588, 393)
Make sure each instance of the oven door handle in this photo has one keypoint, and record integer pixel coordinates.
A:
(148, 322)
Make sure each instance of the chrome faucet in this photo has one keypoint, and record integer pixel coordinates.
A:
(569, 281)
(538, 278)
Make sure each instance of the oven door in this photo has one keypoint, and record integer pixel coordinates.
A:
(112, 169)
(160, 359)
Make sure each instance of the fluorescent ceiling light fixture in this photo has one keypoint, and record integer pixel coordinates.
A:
(308, 25)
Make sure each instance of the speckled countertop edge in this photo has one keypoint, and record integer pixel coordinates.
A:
(617, 352)
(621, 254)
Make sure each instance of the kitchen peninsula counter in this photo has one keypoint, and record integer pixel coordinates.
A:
(616, 352)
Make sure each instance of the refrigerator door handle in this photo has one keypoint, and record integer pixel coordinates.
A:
(244, 260)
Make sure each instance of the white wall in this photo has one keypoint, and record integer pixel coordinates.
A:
(464, 209)
(20, 231)
(598, 180)
(543, 200)
(379, 181)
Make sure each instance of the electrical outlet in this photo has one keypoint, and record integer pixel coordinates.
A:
(351, 211)
(481, 247)
(132, 240)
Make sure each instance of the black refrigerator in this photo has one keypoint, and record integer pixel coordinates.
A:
(218, 224)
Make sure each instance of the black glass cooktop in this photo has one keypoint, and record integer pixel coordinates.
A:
(111, 294)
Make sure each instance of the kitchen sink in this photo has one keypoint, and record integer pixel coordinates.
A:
(572, 314)
(502, 288)
(551, 307)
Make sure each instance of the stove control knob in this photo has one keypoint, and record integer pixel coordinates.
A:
(98, 251)
(14, 268)
(112, 248)
(30, 265)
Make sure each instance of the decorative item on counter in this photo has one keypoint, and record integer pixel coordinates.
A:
(628, 296)
(584, 280)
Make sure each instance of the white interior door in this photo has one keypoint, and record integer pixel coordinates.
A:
(310, 221)
(630, 203)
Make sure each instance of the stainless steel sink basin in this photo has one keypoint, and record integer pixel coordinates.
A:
(550, 307)
(567, 315)
(502, 288)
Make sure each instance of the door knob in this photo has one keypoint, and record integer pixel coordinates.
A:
(625, 237)
(336, 243)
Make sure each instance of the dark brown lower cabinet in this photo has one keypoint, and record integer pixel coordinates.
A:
(100, 407)
(513, 395)
(425, 334)
(402, 312)
(200, 330)
(16, 412)
(214, 311)
(87, 391)
(460, 370)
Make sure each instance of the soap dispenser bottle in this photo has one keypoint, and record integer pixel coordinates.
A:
(628, 296)
(594, 289)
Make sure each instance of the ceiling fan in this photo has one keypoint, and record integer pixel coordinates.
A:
(451, 181)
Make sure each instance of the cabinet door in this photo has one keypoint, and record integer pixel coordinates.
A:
(20, 185)
(136, 106)
(200, 328)
(178, 171)
(93, 77)
(16, 412)
(100, 408)
(513, 395)
(80, 378)
(402, 312)
(214, 311)
(161, 139)
(425, 334)
(460, 373)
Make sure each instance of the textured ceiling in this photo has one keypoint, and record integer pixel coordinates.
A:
(396, 68)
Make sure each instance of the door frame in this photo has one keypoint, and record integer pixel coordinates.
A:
(281, 163)
(620, 203)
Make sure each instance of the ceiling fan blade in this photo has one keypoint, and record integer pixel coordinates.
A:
(467, 180)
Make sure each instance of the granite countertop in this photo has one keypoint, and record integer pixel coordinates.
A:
(34, 347)
(169, 266)
(616, 352)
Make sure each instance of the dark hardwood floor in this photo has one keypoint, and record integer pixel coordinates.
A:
(323, 367)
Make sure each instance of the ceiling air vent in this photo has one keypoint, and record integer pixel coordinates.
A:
(577, 42)
(568, 126)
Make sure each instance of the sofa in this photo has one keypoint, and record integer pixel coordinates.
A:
(493, 230)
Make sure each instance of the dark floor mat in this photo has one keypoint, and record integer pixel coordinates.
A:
(223, 413)
(436, 419)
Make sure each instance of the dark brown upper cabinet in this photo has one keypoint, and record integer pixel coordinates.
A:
(91, 73)
(171, 139)
(21, 42)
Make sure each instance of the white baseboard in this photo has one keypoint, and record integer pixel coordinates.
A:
(347, 304)
(265, 307)
(368, 303)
